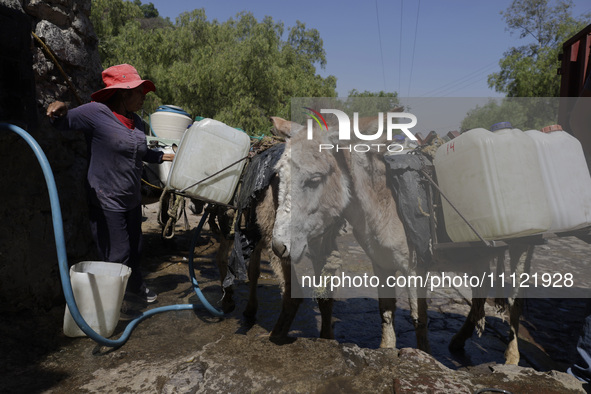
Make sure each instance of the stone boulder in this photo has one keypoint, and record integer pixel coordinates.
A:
(52, 55)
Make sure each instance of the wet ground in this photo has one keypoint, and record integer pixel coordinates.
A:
(36, 357)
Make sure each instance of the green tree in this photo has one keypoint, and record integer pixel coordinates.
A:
(148, 9)
(368, 103)
(108, 19)
(530, 70)
(239, 72)
(525, 113)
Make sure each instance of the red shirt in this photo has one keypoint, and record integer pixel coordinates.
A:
(129, 123)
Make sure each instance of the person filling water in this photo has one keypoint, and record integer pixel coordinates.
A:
(116, 143)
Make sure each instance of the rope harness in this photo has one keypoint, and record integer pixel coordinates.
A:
(175, 210)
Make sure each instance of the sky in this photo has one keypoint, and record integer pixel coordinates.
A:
(418, 48)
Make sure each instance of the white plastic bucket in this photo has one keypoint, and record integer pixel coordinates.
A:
(98, 289)
(494, 180)
(207, 148)
(170, 121)
(566, 177)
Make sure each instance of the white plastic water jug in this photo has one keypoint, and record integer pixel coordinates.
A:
(566, 177)
(494, 180)
(209, 147)
(157, 174)
(170, 121)
(98, 289)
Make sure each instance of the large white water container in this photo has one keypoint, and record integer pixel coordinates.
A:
(207, 148)
(98, 289)
(170, 121)
(493, 178)
(566, 177)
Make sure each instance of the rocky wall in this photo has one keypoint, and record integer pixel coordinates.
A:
(31, 77)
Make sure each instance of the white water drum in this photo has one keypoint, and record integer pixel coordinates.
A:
(207, 148)
(566, 177)
(494, 180)
(170, 122)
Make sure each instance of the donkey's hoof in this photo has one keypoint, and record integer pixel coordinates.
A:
(456, 345)
(282, 340)
(228, 306)
(249, 319)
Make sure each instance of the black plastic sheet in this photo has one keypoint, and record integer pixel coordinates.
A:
(409, 188)
(255, 179)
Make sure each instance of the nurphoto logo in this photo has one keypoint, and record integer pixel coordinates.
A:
(344, 123)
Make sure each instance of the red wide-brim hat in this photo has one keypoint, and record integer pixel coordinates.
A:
(122, 76)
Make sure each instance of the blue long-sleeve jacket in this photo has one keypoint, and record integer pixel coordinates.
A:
(116, 154)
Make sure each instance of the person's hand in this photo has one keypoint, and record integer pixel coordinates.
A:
(56, 109)
(168, 157)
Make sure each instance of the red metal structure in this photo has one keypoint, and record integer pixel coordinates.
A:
(576, 65)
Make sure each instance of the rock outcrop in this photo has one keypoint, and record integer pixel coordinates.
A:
(49, 52)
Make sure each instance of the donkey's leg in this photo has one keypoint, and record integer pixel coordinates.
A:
(512, 351)
(221, 260)
(387, 307)
(325, 298)
(474, 316)
(289, 305)
(326, 260)
(254, 271)
(421, 326)
(387, 311)
(418, 313)
(418, 302)
(265, 217)
(325, 306)
(520, 256)
(224, 218)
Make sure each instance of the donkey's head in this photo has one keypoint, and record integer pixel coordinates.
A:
(313, 192)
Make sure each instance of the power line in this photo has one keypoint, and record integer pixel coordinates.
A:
(460, 87)
(414, 47)
(459, 84)
(453, 84)
(400, 51)
(380, 42)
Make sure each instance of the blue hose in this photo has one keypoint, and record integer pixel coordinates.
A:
(63, 260)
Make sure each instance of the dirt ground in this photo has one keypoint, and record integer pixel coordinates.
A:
(36, 356)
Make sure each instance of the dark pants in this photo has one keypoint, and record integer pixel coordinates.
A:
(118, 236)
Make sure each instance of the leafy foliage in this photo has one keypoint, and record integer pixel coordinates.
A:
(148, 9)
(108, 18)
(369, 104)
(239, 72)
(530, 70)
(525, 113)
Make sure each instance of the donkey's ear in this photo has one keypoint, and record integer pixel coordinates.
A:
(283, 128)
